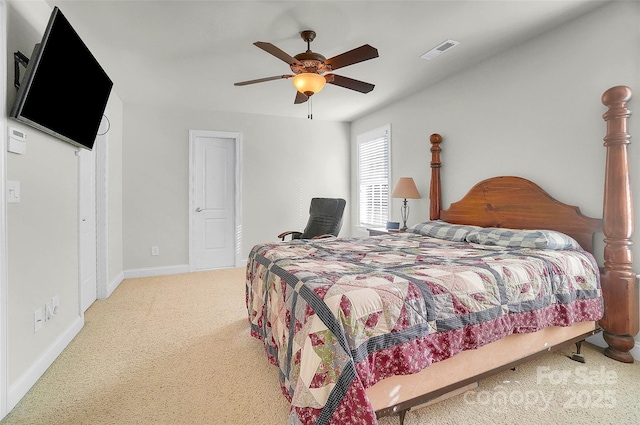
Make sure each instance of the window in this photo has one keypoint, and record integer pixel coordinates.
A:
(373, 177)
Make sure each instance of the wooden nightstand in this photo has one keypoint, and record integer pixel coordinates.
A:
(375, 231)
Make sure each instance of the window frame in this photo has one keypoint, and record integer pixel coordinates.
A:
(371, 136)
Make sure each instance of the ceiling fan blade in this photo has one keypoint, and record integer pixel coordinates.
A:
(275, 51)
(300, 98)
(262, 80)
(356, 55)
(349, 83)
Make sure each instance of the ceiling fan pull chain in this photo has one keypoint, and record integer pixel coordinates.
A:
(310, 108)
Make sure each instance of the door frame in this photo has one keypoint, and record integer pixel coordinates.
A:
(237, 136)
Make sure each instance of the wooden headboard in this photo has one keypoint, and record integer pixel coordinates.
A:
(514, 202)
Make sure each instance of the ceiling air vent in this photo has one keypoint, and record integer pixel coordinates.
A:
(440, 49)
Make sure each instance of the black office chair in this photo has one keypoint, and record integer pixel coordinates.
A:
(325, 219)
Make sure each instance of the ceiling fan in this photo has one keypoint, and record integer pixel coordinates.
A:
(312, 70)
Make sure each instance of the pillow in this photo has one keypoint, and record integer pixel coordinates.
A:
(512, 238)
(442, 230)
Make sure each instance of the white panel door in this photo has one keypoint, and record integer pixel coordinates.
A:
(87, 227)
(213, 202)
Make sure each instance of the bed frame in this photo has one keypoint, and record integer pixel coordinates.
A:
(514, 202)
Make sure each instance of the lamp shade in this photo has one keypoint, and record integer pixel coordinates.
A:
(405, 188)
(309, 83)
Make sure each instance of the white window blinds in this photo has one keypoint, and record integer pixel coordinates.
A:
(373, 177)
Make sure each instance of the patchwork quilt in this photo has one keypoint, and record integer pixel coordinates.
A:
(338, 315)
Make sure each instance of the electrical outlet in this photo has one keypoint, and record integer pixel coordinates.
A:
(37, 320)
(155, 250)
(48, 311)
(55, 301)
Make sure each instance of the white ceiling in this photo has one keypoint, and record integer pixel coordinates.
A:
(189, 53)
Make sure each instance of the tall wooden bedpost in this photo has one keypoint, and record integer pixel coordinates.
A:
(619, 284)
(435, 193)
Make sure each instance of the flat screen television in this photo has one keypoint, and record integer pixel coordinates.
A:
(64, 91)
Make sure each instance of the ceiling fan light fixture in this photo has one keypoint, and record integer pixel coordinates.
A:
(309, 83)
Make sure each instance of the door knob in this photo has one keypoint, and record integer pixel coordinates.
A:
(198, 209)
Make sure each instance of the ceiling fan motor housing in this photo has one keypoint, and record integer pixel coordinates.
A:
(309, 61)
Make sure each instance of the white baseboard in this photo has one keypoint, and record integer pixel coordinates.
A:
(24, 383)
(165, 270)
(598, 340)
(156, 271)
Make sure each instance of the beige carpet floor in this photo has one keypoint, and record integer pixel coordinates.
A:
(177, 350)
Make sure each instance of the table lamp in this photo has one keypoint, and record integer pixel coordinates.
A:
(405, 188)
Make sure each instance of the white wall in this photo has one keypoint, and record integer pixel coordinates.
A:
(285, 162)
(43, 228)
(533, 111)
(3, 210)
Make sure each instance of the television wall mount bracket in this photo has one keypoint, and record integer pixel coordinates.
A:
(18, 59)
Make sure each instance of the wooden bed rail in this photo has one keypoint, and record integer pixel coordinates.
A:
(504, 201)
(619, 283)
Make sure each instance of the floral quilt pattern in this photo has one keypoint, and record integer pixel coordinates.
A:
(338, 315)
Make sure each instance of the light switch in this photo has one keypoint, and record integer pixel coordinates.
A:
(13, 191)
